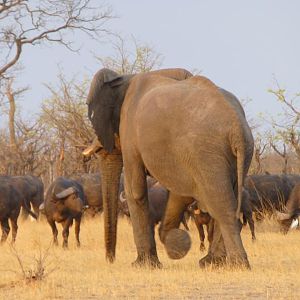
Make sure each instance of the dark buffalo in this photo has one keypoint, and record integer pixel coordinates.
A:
(32, 190)
(290, 217)
(203, 218)
(65, 202)
(92, 187)
(269, 192)
(11, 201)
(158, 199)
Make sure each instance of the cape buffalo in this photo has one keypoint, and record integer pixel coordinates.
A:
(290, 217)
(65, 202)
(158, 199)
(269, 192)
(11, 201)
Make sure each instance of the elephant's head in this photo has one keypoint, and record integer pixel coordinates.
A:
(105, 98)
(104, 101)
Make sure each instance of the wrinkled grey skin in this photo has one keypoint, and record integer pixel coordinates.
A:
(166, 122)
(158, 198)
(64, 202)
(269, 192)
(291, 210)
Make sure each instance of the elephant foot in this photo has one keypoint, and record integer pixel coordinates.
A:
(210, 260)
(177, 243)
(222, 261)
(151, 261)
(65, 246)
(239, 262)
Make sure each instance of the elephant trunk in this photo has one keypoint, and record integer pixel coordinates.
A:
(110, 169)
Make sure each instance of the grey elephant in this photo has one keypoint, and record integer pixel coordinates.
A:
(188, 134)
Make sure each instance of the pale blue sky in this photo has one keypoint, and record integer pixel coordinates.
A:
(240, 45)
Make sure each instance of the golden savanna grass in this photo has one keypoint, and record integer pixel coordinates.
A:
(84, 274)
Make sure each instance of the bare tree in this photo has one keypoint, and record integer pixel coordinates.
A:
(26, 22)
(287, 127)
(260, 146)
(143, 57)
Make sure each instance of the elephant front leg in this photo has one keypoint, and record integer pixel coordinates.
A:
(177, 241)
(143, 229)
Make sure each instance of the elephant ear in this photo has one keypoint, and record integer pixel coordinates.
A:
(102, 106)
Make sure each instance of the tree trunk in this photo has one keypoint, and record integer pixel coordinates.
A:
(11, 122)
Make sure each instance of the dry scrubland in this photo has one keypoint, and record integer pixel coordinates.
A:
(84, 274)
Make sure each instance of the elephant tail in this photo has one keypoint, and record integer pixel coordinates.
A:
(240, 179)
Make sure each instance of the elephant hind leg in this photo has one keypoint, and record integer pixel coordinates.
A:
(177, 241)
(227, 240)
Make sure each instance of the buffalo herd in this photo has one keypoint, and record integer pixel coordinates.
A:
(66, 199)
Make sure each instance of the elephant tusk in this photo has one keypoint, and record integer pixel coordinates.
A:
(122, 197)
(93, 148)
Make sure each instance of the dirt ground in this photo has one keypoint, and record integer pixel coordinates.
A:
(34, 269)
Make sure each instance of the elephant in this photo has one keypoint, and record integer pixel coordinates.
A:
(11, 201)
(188, 134)
(64, 202)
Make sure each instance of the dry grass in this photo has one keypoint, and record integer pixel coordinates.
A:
(84, 274)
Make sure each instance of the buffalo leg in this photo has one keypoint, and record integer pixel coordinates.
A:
(251, 225)
(54, 231)
(77, 230)
(5, 230)
(65, 233)
(200, 232)
(14, 227)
